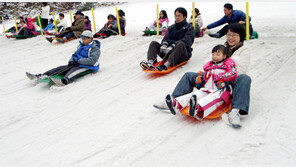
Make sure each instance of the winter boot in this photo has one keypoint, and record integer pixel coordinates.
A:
(173, 104)
(58, 82)
(49, 39)
(147, 66)
(62, 40)
(35, 76)
(161, 67)
(216, 35)
(234, 119)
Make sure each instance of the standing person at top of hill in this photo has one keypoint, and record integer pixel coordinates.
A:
(231, 16)
(163, 23)
(45, 14)
(74, 31)
(175, 47)
(198, 22)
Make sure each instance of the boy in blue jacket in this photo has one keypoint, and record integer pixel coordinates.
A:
(85, 59)
(231, 16)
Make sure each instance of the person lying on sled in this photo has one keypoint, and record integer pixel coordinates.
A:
(213, 86)
(85, 59)
(175, 47)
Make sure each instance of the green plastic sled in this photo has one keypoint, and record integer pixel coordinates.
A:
(151, 32)
(22, 36)
(254, 35)
(46, 80)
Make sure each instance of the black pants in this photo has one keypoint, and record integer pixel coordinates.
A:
(176, 56)
(70, 73)
(25, 32)
(224, 30)
(44, 23)
(67, 34)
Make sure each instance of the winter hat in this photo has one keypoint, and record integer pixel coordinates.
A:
(181, 10)
(87, 34)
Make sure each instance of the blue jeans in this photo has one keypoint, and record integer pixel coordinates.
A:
(241, 90)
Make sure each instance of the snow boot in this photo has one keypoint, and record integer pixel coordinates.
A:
(62, 40)
(35, 76)
(234, 119)
(216, 35)
(173, 104)
(49, 39)
(58, 82)
(161, 67)
(147, 66)
(193, 104)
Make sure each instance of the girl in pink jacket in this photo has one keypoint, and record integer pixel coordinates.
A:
(163, 23)
(213, 86)
(28, 29)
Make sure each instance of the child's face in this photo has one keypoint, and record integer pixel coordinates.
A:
(218, 56)
(61, 18)
(161, 15)
(110, 20)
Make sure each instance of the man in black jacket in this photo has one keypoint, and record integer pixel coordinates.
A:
(175, 47)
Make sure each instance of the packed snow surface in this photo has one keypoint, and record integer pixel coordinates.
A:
(107, 118)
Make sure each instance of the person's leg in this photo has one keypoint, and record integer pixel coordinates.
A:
(241, 94)
(153, 51)
(74, 73)
(45, 22)
(178, 54)
(27, 32)
(21, 32)
(223, 31)
(185, 85)
(62, 70)
(69, 35)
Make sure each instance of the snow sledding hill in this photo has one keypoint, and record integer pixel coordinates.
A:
(107, 118)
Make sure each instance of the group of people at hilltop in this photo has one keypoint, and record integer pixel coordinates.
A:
(220, 79)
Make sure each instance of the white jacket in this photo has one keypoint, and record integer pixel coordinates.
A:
(198, 21)
(241, 57)
(63, 23)
(45, 12)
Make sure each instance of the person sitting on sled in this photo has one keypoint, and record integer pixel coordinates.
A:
(122, 21)
(28, 29)
(213, 86)
(198, 22)
(49, 26)
(175, 47)
(85, 59)
(109, 28)
(163, 23)
(231, 16)
(74, 31)
(87, 23)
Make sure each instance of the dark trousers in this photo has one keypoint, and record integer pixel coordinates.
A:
(176, 56)
(70, 73)
(241, 90)
(224, 30)
(25, 32)
(67, 34)
(44, 23)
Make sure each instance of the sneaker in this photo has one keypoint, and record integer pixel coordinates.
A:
(161, 106)
(147, 66)
(49, 39)
(161, 67)
(35, 76)
(234, 119)
(57, 82)
(216, 35)
(173, 104)
(193, 104)
(61, 40)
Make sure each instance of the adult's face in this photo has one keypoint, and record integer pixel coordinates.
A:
(227, 12)
(232, 38)
(179, 17)
(77, 16)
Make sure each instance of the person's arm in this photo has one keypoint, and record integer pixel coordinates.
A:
(229, 75)
(114, 25)
(92, 58)
(217, 23)
(79, 26)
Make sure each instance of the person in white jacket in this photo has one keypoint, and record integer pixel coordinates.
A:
(198, 22)
(45, 14)
(63, 22)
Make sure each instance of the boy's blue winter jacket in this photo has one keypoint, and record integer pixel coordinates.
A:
(88, 55)
(236, 16)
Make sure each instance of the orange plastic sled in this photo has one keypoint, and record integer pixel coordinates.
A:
(170, 69)
(225, 107)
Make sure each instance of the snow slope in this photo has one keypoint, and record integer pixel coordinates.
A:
(107, 118)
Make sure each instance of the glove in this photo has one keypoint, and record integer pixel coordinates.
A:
(221, 84)
(163, 49)
(200, 81)
(73, 63)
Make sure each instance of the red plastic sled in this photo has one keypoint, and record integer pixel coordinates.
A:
(225, 107)
(170, 69)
